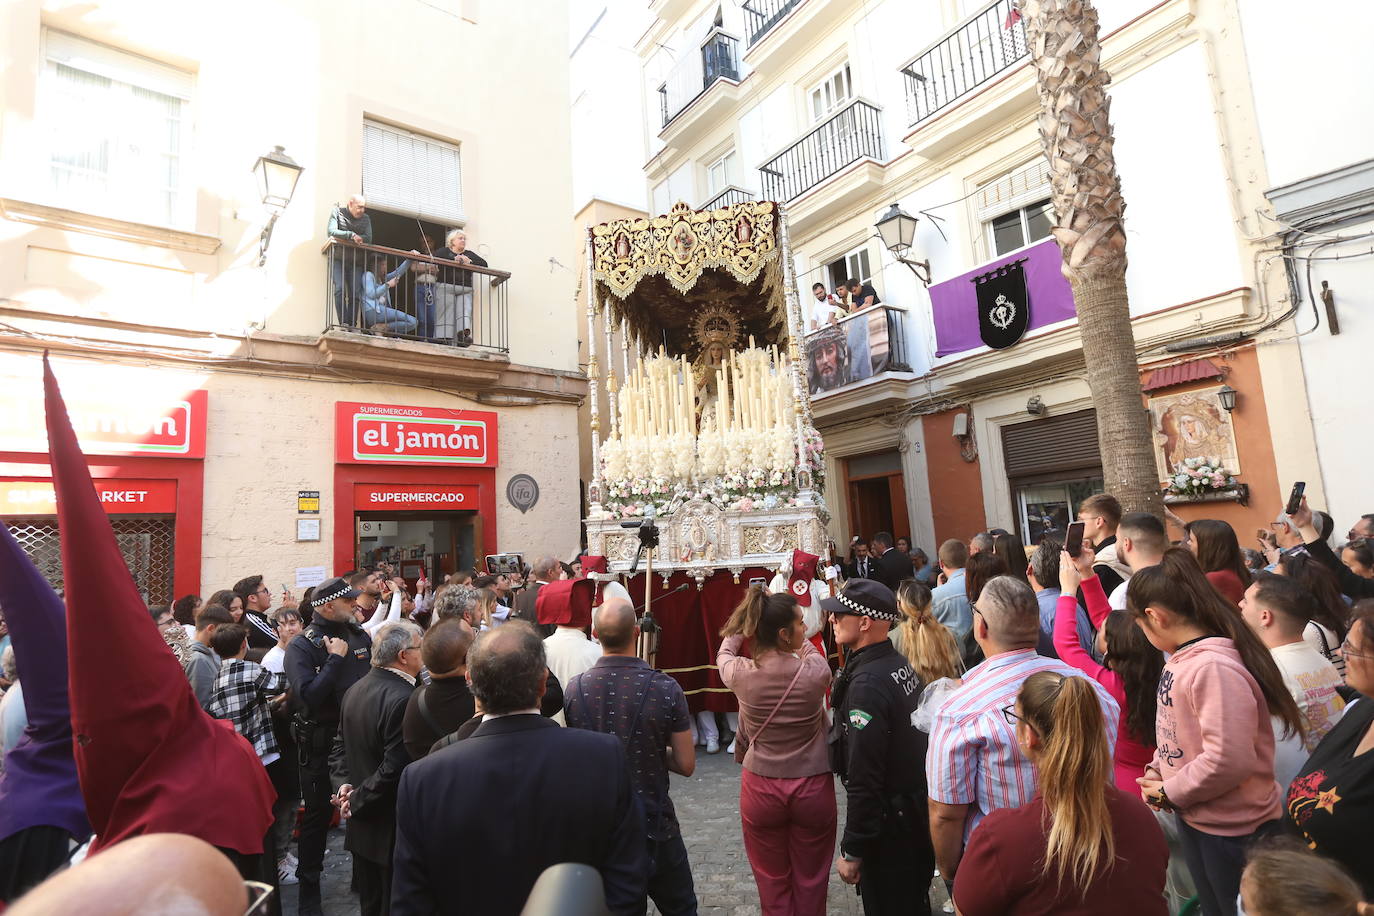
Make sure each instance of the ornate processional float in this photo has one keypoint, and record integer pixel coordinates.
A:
(700, 417)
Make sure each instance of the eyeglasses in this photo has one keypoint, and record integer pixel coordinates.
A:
(1348, 651)
(263, 590)
(1009, 713)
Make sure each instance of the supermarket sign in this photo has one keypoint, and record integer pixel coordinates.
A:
(172, 426)
(417, 436)
(375, 497)
(117, 497)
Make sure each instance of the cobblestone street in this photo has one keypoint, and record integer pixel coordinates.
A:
(708, 808)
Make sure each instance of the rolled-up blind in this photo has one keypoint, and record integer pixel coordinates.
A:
(411, 174)
(1067, 442)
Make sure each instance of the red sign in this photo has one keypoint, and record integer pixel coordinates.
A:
(171, 426)
(424, 436)
(374, 497)
(117, 497)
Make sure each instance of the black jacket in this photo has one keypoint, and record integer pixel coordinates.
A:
(878, 753)
(480, 820)
(1352, 585)
(860, 568)
(891, 568)
(319, 680)
(374, 756)
(261, 633)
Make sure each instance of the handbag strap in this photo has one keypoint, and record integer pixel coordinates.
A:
(783, 699)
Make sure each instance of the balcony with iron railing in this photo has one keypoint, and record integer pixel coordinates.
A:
(852, 133)
(381, 291)
(984, 45)
(694, 75)
(761, 15)
(730, 195)
(866, 346)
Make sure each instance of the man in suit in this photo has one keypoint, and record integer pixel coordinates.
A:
(545, 570)
(891, 565)
(523, 791)
(860, 564)
(370, 726)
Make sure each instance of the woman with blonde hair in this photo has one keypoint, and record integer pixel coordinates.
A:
(1081, 845)
(926, 642)
(786, 793)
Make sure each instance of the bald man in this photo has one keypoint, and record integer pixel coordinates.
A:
(152, 875)
(348, 225)
(622, 695)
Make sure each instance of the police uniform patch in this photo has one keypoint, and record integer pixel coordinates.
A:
(858, 718)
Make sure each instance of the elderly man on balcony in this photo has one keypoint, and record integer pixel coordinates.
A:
(455, 296)
(348, 224)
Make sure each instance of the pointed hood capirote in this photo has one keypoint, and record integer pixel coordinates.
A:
(38, 787)
(150, 760)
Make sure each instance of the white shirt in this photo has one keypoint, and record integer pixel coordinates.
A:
(568, 653)
(1312, 680)
(1117, 599)
(275, 660)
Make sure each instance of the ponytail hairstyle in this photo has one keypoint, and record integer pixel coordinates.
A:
(760, 616)
(927, 643)
(1075, 769)
(1331, 610)
(1284, 876)
(1179, 585)
(1138, 664)
(1218, 548)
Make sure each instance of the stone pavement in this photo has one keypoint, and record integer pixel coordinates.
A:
(708, 809)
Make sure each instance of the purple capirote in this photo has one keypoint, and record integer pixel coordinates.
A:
(39, 787)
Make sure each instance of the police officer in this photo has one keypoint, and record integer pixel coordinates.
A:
(880, 756)
(322, 663)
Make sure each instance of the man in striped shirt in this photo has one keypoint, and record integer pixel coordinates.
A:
(974, 765)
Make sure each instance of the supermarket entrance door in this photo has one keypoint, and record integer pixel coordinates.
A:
(436, 543)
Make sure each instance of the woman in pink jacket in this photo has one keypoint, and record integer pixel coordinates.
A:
(1131, 670)
(1214, 756)
(786, 793)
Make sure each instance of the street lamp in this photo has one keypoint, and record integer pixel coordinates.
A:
(897, 229)
(1227, 396)
(277, 174)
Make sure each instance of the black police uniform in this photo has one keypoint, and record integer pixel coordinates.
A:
(880, 756)
(318, 683)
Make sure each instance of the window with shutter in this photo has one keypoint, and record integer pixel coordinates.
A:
(411, 174)
(117, 131)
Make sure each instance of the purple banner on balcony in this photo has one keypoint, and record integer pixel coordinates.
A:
(954, 303)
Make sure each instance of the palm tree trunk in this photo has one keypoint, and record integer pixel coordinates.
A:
(1076, 132)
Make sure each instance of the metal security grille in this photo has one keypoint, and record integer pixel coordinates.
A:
(147, 542)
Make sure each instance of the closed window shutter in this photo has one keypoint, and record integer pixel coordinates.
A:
(1025, 185)
(1061, 443)
(412, 175)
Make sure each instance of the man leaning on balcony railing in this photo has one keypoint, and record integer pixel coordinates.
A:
(828, 309)
(349, 223)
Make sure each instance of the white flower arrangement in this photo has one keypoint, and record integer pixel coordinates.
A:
(1200, 475)
(613, 459)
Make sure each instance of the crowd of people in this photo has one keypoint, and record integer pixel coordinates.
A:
(1153, 718)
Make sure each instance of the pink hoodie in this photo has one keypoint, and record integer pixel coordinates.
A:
(1215, 742)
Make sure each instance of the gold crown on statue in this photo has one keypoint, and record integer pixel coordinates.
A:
(716, 324)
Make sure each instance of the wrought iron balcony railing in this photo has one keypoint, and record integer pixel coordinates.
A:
(761, 15)
(986, 43)
(396, 293)
(719, 59)
(731, 195)
(852, 133)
